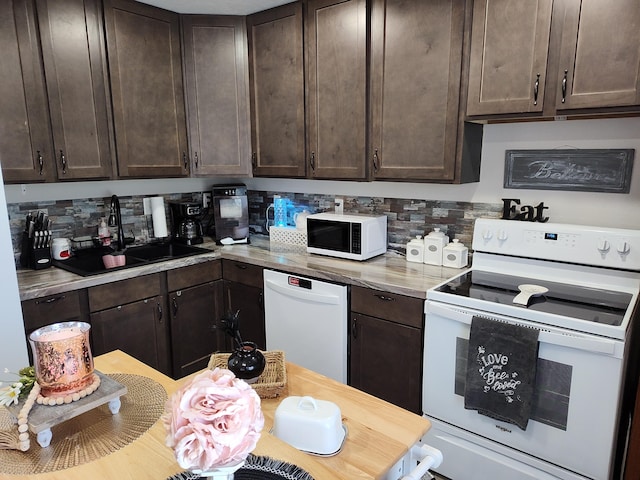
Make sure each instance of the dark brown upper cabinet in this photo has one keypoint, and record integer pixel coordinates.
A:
(276, 78)
(73, 103)
(546, 58)
(26, 151)
(75, 71)
(599, 54)
(217, 93)
(336, 75)
(416, 67)
(145, 68)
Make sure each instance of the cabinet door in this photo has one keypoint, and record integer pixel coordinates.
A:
(139, 329)
(216, 82)
(386, 361)
(145, 69)
(195, 315)
(336, 88)
(509, 49)
(415, 83)
(276, 76)
(75, 69)
(250, 302)
(26, 152)
(599, 54)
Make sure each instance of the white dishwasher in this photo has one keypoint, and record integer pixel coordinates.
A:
(307, 319)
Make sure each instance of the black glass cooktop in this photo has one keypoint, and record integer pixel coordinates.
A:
(591, 304)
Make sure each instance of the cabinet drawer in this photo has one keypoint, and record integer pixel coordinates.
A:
(389, 306)
(241, 272)
(124, 291)
(193, 275)
(62, 307)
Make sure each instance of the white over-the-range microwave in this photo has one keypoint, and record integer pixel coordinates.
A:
(350, 236)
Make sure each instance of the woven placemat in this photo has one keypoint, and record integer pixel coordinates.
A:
(93, 434)
(258, 468)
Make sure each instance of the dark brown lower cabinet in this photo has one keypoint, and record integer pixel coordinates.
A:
(243, 291)
(137, 328)
(386, 349)
(130, 315)
(195, 310)
(62, 307)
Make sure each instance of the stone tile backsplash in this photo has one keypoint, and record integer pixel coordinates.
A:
(406, 218)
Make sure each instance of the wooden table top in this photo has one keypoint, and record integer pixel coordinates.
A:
(379, 433)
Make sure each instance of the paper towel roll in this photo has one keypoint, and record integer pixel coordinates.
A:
(159, 217)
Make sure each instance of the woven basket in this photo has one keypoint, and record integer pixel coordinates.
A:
(288, 235)
(272, 381)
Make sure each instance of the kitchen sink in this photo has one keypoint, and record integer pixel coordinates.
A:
(88, 262)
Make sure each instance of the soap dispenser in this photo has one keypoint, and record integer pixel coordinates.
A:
(433, 245)
(104, 234)
(415, 250)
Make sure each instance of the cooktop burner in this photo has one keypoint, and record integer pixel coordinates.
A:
(590, 304)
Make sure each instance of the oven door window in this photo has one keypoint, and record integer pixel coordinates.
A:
(550, 403)
(330, 235)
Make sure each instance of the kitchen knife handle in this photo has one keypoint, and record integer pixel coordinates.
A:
(564, 86)
(63, 162)
(536, 87)
(40, 162)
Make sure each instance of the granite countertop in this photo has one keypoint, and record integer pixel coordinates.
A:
(389, 272)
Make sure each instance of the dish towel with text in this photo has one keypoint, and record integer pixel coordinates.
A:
(501, 370)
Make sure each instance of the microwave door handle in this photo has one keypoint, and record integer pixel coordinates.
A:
(302, 294)
(602, 346)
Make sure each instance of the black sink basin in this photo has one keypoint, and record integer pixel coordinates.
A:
(89, 261)
(155, 252)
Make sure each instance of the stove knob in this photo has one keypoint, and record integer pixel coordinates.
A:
(603, 246)
(624, 248)
(502, 235)
(486, 235)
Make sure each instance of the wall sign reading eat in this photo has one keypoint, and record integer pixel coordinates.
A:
(511, 210)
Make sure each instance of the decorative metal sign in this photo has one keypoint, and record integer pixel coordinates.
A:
(585, 170)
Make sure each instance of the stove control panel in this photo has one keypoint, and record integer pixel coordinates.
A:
(585, 245)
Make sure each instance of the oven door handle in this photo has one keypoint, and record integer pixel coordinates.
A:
(593, 344)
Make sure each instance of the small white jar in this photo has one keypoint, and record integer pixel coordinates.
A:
(433, 245)
(455, 255)
(415, 250)
(61, 248)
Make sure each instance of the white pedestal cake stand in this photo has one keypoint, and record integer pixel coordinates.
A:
(43, 417)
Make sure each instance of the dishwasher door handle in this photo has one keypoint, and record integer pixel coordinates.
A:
(302, 294)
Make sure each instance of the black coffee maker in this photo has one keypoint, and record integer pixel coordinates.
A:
(185, 222)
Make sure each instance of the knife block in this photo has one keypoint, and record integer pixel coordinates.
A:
(31, 257)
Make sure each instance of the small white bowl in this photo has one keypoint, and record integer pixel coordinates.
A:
(311, 425)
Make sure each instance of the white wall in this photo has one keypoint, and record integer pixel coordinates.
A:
(600, 209)
(13, 346)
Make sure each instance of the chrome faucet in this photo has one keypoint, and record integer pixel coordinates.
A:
(115, 219)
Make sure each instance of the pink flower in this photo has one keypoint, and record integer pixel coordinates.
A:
(214, 420)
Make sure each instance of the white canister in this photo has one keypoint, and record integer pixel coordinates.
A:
(415, 250)
(455, 255)
(61, 248)
(433, 245)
